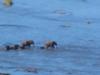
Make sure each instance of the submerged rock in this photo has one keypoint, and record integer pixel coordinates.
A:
(4, 74)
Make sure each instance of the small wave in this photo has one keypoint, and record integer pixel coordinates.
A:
(14, 26)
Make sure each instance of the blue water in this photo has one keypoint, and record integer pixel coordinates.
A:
(74, 25)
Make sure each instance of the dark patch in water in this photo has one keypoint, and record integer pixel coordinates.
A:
(65, 26)
(14, 26)
(48, 18)
(4, 74)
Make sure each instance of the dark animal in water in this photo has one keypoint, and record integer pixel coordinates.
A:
(12, 47)
(27, 43)
(49, 44)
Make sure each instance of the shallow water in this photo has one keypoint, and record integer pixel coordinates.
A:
(74, 25)
(69, 60)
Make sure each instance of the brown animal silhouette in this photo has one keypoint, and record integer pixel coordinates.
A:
(49, 44)
(8, 2)
(26, 43)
